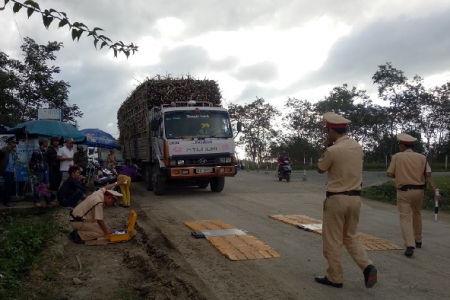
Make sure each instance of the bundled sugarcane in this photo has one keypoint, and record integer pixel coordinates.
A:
(132, 114)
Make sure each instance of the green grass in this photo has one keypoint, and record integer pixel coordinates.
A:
(22, 238)
(387, 192)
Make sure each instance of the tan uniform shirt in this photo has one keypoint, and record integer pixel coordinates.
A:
(343, 162)
(408, 168)
(93, 204)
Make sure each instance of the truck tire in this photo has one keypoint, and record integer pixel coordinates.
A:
(148, 177)
(158, 181)
(217, 184)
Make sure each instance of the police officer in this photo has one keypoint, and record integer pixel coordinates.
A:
(342, 159)
(409, 170)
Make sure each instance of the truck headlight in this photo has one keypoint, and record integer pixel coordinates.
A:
(173, 162)
(180, 162)
(225, 160)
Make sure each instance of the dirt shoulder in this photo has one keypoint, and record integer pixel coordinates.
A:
(147, 267)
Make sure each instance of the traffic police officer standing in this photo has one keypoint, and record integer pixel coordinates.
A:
(342, 159)
(409, 169)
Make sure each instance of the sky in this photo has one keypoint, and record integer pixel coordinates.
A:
(252, 48)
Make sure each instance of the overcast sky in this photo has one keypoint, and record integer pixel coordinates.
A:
(265, 48)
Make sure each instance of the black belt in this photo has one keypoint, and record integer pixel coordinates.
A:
(412, 187)
(74, 221)
(347, 193)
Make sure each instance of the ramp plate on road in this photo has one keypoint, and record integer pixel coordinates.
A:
(237, 245)
(370, 242)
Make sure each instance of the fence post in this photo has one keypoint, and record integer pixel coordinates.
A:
(446, 160)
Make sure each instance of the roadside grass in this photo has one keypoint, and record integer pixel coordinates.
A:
(22, 238)
(386, 192)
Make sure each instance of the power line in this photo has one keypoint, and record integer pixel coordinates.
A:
(17, 25)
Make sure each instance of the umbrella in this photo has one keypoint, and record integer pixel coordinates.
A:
(49, 128)
(100, 139)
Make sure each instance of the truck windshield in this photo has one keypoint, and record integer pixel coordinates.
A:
(197, 123)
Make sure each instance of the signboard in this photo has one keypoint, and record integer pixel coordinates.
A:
(24, 150)
(49, 114)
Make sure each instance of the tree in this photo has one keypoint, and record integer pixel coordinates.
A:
(258, 132)
(29, 85)
(76, 28)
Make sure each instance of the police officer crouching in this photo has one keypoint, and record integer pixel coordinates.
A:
(342, 159)
(409, 170)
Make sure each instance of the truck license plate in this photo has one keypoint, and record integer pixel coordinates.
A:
(204, 170)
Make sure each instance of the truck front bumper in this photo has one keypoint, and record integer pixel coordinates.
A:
(200, 172)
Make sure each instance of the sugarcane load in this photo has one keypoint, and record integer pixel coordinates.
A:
(178, 133)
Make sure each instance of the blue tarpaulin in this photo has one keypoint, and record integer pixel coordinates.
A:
(100, 139)
(49, 128)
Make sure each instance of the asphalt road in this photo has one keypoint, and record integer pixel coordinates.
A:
(246, 202)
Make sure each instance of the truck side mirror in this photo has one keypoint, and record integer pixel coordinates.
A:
(154, 125)
(239, 126)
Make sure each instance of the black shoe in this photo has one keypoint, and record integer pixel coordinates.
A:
(324, 280)
(409, 251)
(418, 244)
(370, 276)
(75, 237)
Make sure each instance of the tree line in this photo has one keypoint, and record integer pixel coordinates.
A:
(409, 107)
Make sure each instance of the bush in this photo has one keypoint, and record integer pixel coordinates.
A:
(22, 238)
(387, 192)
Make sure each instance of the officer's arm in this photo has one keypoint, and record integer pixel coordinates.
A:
(391, 175)
(320, 171)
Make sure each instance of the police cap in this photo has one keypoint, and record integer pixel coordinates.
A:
(406, 139)
(332, 120)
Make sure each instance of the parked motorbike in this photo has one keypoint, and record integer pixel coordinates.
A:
(101, 176)
(286, 171)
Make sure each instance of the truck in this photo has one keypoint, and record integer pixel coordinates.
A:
(178, 133)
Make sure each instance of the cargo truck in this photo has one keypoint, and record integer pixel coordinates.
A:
(178, 134)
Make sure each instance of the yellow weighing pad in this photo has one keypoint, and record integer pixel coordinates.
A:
(231, 242)
(370, 243)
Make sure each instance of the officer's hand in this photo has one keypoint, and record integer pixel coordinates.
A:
(437, 197)
(121, 181)
(110, 231)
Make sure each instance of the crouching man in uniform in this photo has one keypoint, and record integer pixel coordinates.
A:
(342, 159)
(87, 217)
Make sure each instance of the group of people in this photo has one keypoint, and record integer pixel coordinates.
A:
(342, 160)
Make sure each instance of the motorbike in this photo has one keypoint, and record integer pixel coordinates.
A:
(101, 176)
(286, 171)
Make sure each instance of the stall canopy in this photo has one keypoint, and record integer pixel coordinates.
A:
(100, 139)
(49, 128)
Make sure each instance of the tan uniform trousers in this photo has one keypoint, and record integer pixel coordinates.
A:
(88, 230)
(409, 204)
(340, 221)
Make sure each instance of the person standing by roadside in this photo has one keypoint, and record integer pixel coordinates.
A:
(342, 159)
(80, 158)
(53, 171)
(127, 173)
(409, 170)
(65, 157)
(8, 161)
(111, 160)
(38, 165)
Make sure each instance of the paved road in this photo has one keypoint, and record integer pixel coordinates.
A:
(246, 202)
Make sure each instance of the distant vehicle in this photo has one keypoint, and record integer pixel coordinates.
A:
(285, 171)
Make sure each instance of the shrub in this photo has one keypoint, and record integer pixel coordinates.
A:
(22, 238)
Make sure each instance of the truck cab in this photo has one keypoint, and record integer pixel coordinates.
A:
(192, 143)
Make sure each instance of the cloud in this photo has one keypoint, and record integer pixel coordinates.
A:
(262, 72)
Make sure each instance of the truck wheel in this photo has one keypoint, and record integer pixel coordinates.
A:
(217, 184)
(203, 184)
(158, 181)
(148, 177)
